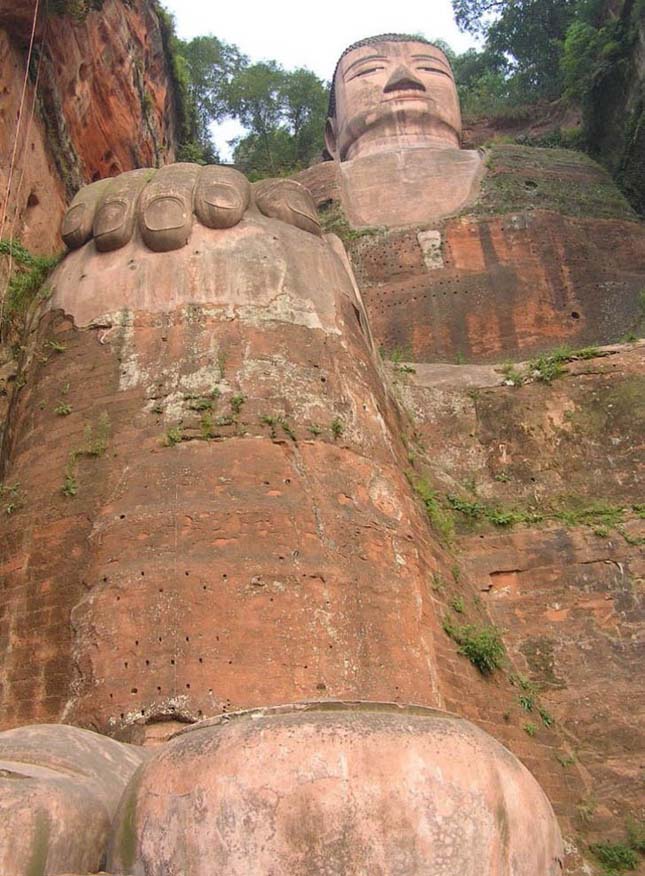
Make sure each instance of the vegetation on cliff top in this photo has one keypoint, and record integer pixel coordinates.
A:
(77, 9)
(522, 178)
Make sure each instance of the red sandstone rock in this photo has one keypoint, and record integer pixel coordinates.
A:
(499, 256)
(212, 553)
(515, 277)
(339, 789)
(298, 562)
(108, 107)
(569, 597)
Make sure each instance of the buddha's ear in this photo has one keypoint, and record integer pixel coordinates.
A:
(330, 137)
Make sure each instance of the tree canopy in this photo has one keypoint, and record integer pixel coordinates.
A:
(282, 111)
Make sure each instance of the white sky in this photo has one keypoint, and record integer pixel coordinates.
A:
(297, 33)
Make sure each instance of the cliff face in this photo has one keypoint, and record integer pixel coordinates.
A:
(615, 111)
(103, 105)
(540, 471)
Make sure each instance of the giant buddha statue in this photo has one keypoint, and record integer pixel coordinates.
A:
(220, 528)
(394, 133)
(222, 632)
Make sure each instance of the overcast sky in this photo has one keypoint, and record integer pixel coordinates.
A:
(297, 33)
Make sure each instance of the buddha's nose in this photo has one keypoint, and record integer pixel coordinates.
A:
(403, 79)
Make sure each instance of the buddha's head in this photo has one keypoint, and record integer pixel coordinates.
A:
(391, 92)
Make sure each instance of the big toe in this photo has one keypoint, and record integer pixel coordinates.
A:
(166, 212)
(222, 197)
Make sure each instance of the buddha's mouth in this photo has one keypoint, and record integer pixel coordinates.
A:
(406, 94)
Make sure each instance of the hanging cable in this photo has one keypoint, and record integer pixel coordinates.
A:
(5, 209)
(20, 111)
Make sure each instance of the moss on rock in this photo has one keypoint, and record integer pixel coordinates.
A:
(521, 178)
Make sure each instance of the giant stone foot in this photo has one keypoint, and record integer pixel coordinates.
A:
(59, 789)
(159, 206)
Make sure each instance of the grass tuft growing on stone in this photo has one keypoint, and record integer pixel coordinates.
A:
(482, 645)
(636, 834)
(548, 366)
(615, 856)
(174, 435)
(11, 497)
(440, 518)
(334, 221)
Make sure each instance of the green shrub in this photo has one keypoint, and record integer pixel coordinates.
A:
(76, 9)
(616, 856)
(337, 428)
(458, 604)
(483, 645)
(438, 516)
(636, 834)
(174, 435)
(28, 277)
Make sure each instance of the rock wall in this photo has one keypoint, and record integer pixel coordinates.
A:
(104, 104)
(542, 479)
(177, 554)
(567, 590)
(550, 254)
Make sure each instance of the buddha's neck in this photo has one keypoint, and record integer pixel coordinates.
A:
(373, 143)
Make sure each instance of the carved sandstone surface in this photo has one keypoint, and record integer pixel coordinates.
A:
(221, 520)
(59, 791)
(550, 254)
(394, 134)
(351, 789)
(105, 106)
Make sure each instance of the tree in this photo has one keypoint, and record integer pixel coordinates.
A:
(474, 16)
(530, 33)
(211, 64)
(284, 113)
(305, 111)
(205, 66)
(482, 79)
(254, 98)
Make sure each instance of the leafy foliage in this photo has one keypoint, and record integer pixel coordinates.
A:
(284, 113)
(198, 69)
(617, 856)
(483, 645)
(636, 834)
(529, 33)
(27, 279)
(76, 9)
(581, 51)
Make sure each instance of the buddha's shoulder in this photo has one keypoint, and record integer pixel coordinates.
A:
(518, 178)
(501, 178)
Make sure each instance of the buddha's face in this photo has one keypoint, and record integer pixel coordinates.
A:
(393, 95)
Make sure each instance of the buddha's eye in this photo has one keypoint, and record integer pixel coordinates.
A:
(433, 70)
(365, 72)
